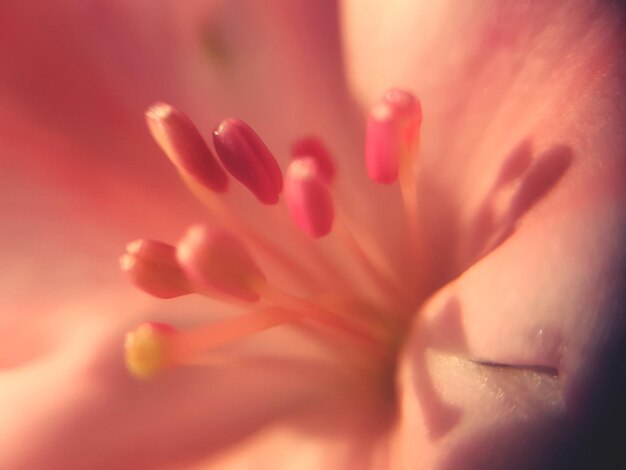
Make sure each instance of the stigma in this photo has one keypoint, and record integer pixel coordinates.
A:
(230, 261)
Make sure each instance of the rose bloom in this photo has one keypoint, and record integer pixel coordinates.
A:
(430, 277)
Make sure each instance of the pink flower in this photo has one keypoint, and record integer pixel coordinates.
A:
(457, 306)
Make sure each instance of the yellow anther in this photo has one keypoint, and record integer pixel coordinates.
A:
(147, 349)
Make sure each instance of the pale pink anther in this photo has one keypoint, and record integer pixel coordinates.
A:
(308, 197)
(392, 129)
(182, 143)
(248, 159)
(314, 147)
(151, 265)
(217, 262)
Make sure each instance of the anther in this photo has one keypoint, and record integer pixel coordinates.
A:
(248, 159)
(151, 265)
(219, 263)
(148, 349)
(184, 146)
(392, 130)
(312, 147)
(308, 197)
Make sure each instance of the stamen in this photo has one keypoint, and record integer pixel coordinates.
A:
(153, 347)
(184, 146)
(216, 261)
(312, 147)
(152, 266)
(148, 349)
(247, 158)
(392, 144)
(308, 198)
(392, 128)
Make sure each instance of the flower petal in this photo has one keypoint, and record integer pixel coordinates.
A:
(93, 406)
(498, 81)
(528, 342)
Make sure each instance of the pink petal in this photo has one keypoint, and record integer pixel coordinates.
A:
(522, 199)
(546, 295)
(493, 78)
(95, 408)
(477, 378)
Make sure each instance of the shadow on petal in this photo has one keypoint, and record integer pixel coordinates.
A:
(520, 184)
(537, 443)
(440, 417)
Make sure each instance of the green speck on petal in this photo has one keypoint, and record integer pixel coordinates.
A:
(214, 45)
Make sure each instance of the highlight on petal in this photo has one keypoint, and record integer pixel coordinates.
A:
(248, 159)
(392, 127)
(182, 143)
(215, 260)
(151, 265)
(308, 197)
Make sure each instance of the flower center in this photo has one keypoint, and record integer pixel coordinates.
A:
(231, 262)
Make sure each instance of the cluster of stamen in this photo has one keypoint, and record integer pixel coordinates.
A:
(218, 260)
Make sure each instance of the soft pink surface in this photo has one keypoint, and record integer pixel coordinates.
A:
(521, 191)
(522, 151)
